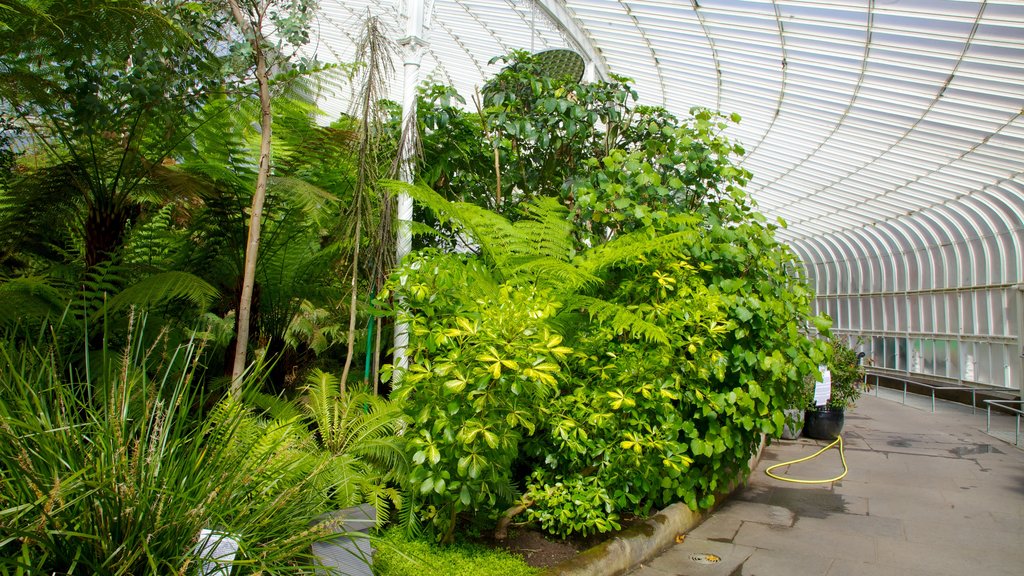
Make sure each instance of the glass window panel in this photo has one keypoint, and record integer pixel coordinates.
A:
(841, 318)
(950, 267)
(877, 312)
(877, 357)
(853, 311)
(952, 313)
(833, 278)
(915, 363)
(892, 320)
(982, 313)
(983, 363)
(821, 278)
(915, 312)
(967, 313)
(1010, 316)
(852, 282)
(938, 313)
(982, 272)
(1001, 365)
(953, 359)
(874, 313)
(928, 357)
(924, 279)
(833, 306)
(1011, 264)
(876, 272)
(898, 346)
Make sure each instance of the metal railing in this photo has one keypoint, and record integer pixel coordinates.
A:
(1005, 405)
(935, 387)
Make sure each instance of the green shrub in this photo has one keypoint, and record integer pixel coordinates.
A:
(847, 374)
(482, 367)
(574, 505)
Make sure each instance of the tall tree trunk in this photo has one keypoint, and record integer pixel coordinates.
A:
(254, 34)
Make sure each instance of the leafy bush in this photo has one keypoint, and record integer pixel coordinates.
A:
(687, 317)
(357, 434)
(847, 374)
(574, 505)
(482, 366)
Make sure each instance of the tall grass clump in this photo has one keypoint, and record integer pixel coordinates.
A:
(114, 468)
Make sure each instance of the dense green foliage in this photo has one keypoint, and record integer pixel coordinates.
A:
(616, 330)
(681, 317)
(122, 481)
(117, 473)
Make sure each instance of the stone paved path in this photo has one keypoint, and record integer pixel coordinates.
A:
(927, 495)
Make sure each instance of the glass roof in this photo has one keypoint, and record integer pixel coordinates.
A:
(855, 112)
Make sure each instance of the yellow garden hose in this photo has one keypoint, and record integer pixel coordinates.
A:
(842, 457)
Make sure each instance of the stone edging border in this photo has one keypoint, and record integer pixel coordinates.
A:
(644, 541)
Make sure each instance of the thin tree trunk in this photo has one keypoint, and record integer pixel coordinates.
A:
(376, 360)
(255, 219)
(353, 302)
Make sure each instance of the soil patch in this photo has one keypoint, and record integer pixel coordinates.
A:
(542, 550)
(538, 550)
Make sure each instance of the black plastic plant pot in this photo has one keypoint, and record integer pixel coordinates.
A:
(823, 423)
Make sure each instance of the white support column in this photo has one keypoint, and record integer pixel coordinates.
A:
(417, 16)
(1019, 360)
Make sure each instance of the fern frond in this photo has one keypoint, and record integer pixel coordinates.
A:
(619, 317)
(312, 200)
(275, 407)
(322, 390)
(629, 247)
(28, 298)
(163, 287)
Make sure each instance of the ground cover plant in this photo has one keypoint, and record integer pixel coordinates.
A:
(398, 554)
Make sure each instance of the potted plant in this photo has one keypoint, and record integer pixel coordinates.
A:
(826, 422)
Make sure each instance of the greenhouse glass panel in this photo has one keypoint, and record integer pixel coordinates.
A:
(983, 365)
(967, 325)
(982, 313)
(877, 355)
(938, 313)
(952, 306)
(898, 348)
(876, 309)
(950, 257)
(953, 359)
(915, 323)
(1010, 312)
(886, 312)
